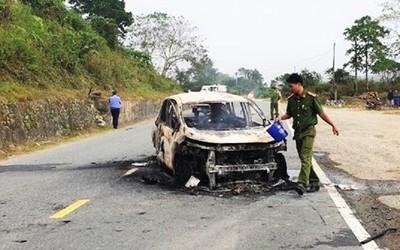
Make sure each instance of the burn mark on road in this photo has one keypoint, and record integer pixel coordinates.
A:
(148, 172)
(29, 168)
(341, 239)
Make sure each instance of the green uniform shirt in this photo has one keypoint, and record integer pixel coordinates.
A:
(275, 97)
(304, 110)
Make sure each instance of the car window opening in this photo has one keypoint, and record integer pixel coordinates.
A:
(219, 116)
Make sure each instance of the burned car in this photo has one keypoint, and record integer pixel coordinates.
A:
(216, 135)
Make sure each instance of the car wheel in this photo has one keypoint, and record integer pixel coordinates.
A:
(281, 171)
(182, 171)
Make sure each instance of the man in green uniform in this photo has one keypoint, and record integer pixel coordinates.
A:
(275, 97)
(304, 107)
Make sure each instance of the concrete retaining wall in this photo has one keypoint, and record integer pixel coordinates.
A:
(54, 117)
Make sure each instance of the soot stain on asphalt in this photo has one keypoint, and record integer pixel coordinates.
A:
(28, 168)
(341, 239)
(149, 173)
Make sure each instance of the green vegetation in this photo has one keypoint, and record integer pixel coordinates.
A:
(47, 49)
(367, 51)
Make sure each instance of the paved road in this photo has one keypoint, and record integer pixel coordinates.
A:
(126, 213)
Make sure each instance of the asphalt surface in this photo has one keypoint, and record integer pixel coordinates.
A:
(126, 212)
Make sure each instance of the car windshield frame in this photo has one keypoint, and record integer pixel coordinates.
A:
(232, 115)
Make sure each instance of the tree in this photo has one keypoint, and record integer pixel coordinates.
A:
(341, 76)
(108, 17)
(107, 29)
(340, 82)
(391, 17)
(170, 40)
(199, 74)
(248, 80)
(310, 78)
(355, 59)
(281, 80)
(388, 68)
(367, 48)
(251, 74)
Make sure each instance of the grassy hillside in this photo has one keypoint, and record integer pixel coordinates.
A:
(50, 50)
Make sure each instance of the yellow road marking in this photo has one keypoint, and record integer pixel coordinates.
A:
(68, 209)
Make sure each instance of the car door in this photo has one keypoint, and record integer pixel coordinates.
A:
(168, 131)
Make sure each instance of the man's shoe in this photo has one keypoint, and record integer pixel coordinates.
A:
(300, 189)
(314, 187)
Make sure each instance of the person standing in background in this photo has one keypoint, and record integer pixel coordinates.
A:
(396, 99)
(275, 97)
(115, 105)
(390, 98)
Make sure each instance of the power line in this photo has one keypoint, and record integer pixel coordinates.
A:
(314, 58)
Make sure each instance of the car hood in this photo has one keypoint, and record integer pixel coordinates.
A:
(249, 135)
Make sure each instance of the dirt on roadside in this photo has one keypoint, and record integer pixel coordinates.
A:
(366, 157)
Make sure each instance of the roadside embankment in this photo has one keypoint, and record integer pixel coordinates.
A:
(51, 118)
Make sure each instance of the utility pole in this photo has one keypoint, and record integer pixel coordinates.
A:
(355, 69)
(333, 74)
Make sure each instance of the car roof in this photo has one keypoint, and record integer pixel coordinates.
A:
(199, 97)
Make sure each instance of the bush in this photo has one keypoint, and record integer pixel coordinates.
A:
(107, 28)
(44, 46)
(49, 9)
(262, 92)
(6, 11)
(14, 50)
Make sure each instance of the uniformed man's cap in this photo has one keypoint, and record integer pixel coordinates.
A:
(295, 78)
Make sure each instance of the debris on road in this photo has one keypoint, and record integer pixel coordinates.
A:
(192, 182)
(149, 172)
(238, 189)
(150, 180)
(130, 171)
(346, 187)
(376, 236)
(140, 164)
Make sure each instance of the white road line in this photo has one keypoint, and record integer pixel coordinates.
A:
(348, 216)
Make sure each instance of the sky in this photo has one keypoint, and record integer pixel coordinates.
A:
(272, 36)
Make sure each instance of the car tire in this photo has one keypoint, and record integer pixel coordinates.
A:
(182, 171)
(281, 171)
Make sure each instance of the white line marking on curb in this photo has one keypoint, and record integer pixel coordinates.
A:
(348, 216)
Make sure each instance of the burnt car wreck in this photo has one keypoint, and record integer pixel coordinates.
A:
(216, 137)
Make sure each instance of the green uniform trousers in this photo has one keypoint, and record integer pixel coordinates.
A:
(304, 144)
(274, 110)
